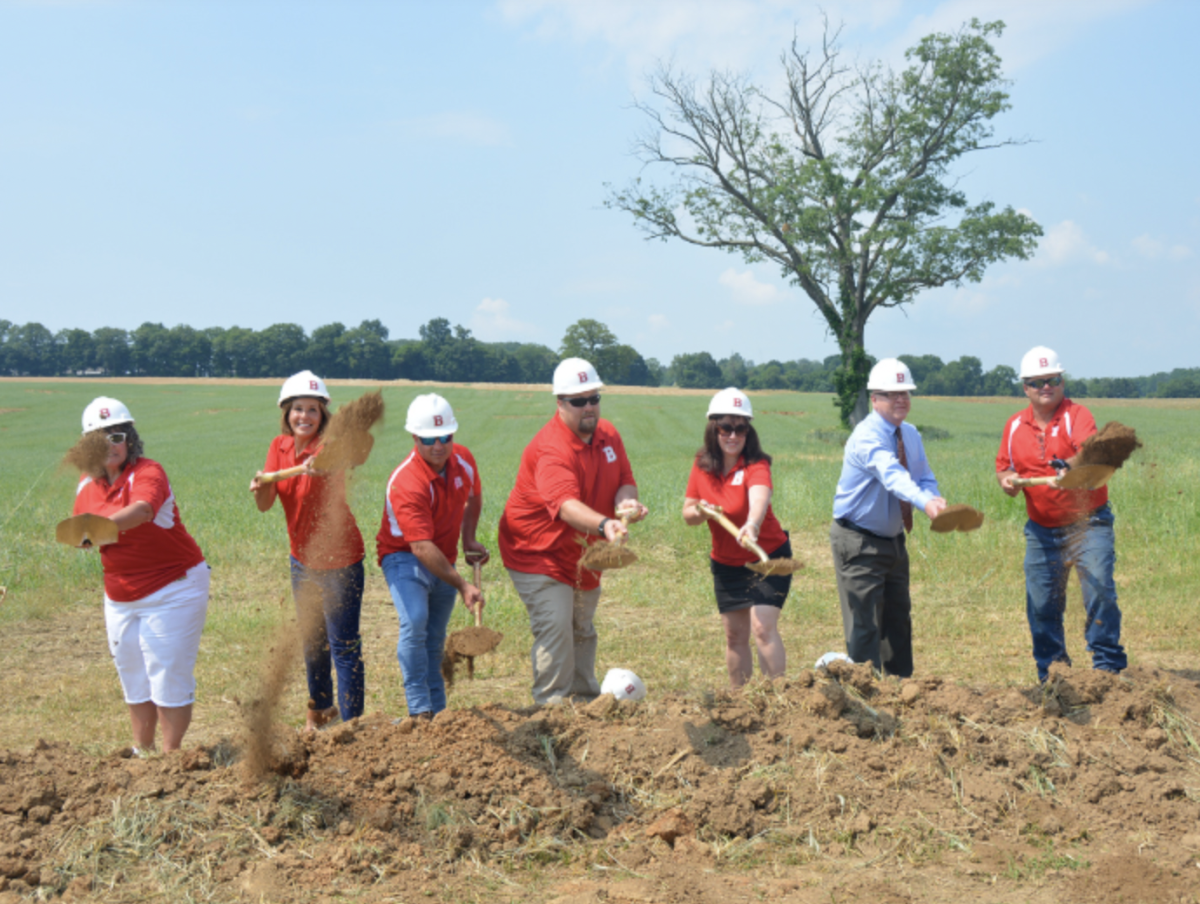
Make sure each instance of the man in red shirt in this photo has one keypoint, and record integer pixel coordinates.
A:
(1065, 527)
(573, 479)
(432, 498)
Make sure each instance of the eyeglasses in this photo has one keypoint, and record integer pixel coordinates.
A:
(892, 396)
(1049, 381)
(584, 402)
(431, 440)
(117, 438)
(733, 429)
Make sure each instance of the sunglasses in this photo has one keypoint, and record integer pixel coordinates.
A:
(116, 438)
(584, 402)
(1049, 381)
(733, 429)
(430, 440)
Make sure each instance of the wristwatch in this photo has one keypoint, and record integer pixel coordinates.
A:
(603, 521)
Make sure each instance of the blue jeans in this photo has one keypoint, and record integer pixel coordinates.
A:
(340, 591)
(424, 603)
(1049, 554)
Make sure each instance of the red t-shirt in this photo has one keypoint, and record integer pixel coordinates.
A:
(312, 503)
(422, 505)
(151, 555)
(1027, 449)
(732, 493)
(558, 466)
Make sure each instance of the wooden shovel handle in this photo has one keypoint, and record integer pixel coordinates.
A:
(733, 529)
(1035, 481)
(476, 561)
(276, 476)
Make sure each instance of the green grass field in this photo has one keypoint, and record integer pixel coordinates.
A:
(657, 617)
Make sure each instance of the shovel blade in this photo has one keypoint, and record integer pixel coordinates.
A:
(957, 517)
(96, 530)
(776, 567)
(1086, 477)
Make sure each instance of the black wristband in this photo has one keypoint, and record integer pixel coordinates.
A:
(603, 521)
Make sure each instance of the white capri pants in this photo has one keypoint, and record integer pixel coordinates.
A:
(154, 640)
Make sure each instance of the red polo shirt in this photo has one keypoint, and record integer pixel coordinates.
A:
(1028, 449)
(732, 493)
(558, 466)
(420, 504)
(151, 555)
(310, 501)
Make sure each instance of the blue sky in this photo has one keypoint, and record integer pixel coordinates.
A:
(227, 163)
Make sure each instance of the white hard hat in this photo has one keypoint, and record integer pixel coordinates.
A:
(890, 375)
(623, 684)
(105, 412)
(1040, 360)
(830, 658)
(430, 415)
(730, 401)
(304, 385)
(575, 375)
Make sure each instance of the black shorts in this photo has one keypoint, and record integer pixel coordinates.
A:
(737, 587)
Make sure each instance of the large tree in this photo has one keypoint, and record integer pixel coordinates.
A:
(843, 179)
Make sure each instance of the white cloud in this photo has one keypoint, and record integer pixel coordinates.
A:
(468, 128)
(491, 321)
(748, 290)
(658, 321)
(1154, 249)
(1065, 243)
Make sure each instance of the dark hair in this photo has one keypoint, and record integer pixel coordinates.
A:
(711, 458)
(286, 429)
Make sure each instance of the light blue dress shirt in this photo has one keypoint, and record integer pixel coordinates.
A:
(873, 481)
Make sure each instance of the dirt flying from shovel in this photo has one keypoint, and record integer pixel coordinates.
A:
(347, 439)
(1110, 447)
(89, 454)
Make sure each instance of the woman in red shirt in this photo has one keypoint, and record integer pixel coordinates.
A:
(732, 473)
(155, 581)
(326, 552)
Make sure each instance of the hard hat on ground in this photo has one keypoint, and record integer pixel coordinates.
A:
(623, 684)
(430, 415)
(832, 657)
(1039, 361)
(730, 401)
(575, 375)
(891, 375)
(304, 385)
(105, 412)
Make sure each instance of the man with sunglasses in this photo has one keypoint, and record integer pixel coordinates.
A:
(1065, 527)
(885, 475)
(433, 497)
(573, 485)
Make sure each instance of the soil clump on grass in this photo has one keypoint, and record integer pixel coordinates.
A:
(827, 786)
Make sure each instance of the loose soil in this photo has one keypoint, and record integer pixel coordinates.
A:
(830, 786)
(1110, 446)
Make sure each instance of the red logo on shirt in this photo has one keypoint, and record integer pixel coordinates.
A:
(737, 403)
(104, 415)
(583, 376)
(312, 384)
(1042, 362)
(437, 420)
(899, 378)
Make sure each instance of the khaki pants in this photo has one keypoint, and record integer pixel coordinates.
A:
(564, 638)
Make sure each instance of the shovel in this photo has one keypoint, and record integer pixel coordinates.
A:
(766, 565)
(347, 441)
(604, 555)
(468, 643)
(957, 517)
(86, 531)
(1082, 477)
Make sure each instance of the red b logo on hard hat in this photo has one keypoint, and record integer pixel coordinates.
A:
(437, 420)
(899, 378)
(1042, 362)
(737, 403)
(312, 384)
(583, 376)
(104, 414)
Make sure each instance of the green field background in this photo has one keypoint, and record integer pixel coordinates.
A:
(657, 617)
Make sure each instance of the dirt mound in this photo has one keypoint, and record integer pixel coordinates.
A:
(1083, 789)
(1111, 446)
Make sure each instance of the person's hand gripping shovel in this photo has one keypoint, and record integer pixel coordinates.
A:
(467, 643)
(765, 565)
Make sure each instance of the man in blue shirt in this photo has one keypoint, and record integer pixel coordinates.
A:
(885, 474)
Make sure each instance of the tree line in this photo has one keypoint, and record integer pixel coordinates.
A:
(448, 353)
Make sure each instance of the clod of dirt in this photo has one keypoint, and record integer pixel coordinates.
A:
(602, 554)
(669, 826)
(89, 454)
(1111, 446)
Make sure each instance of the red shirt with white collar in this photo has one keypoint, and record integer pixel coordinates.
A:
(312, 501)
(1028, 449)
(151, 555)
(420, 504)
(732, 493)
(558, 466)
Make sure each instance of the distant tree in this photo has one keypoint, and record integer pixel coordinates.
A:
(733, 370)
(844, 181)
(436, 332)
(536, 362)
(112, 350)
(76, 350)
(152, 351)
(1001, 380)
(922, 367)
(767, 376)
(697, 371)
(192, 351)
(235, 352)
(657, 372)
(409, 361)
(281, 351)
(367, 351)
(1182, 387)
(963, 377)
(327, 353)
(31, 350)
(5, 327)
(588, 339)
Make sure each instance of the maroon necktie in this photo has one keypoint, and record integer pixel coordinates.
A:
(905, 507)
